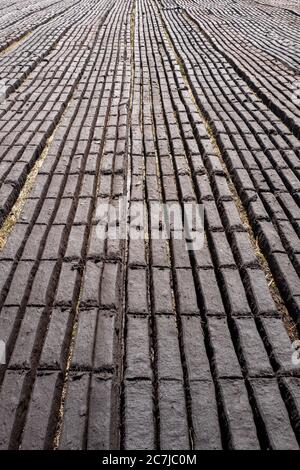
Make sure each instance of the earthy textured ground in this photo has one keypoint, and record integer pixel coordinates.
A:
(143, 344)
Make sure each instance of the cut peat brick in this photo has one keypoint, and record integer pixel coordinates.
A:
(75, 412)
(173, 418)
(40, 426)
(137, 291)
(118, 332)
(139, 416)
(205, 416)
(274, 414)
(163, 302)
(185, 291)
(11, 395)
(138, 363)
(242, 432)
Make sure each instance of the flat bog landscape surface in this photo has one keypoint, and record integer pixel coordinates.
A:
(139, 341)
